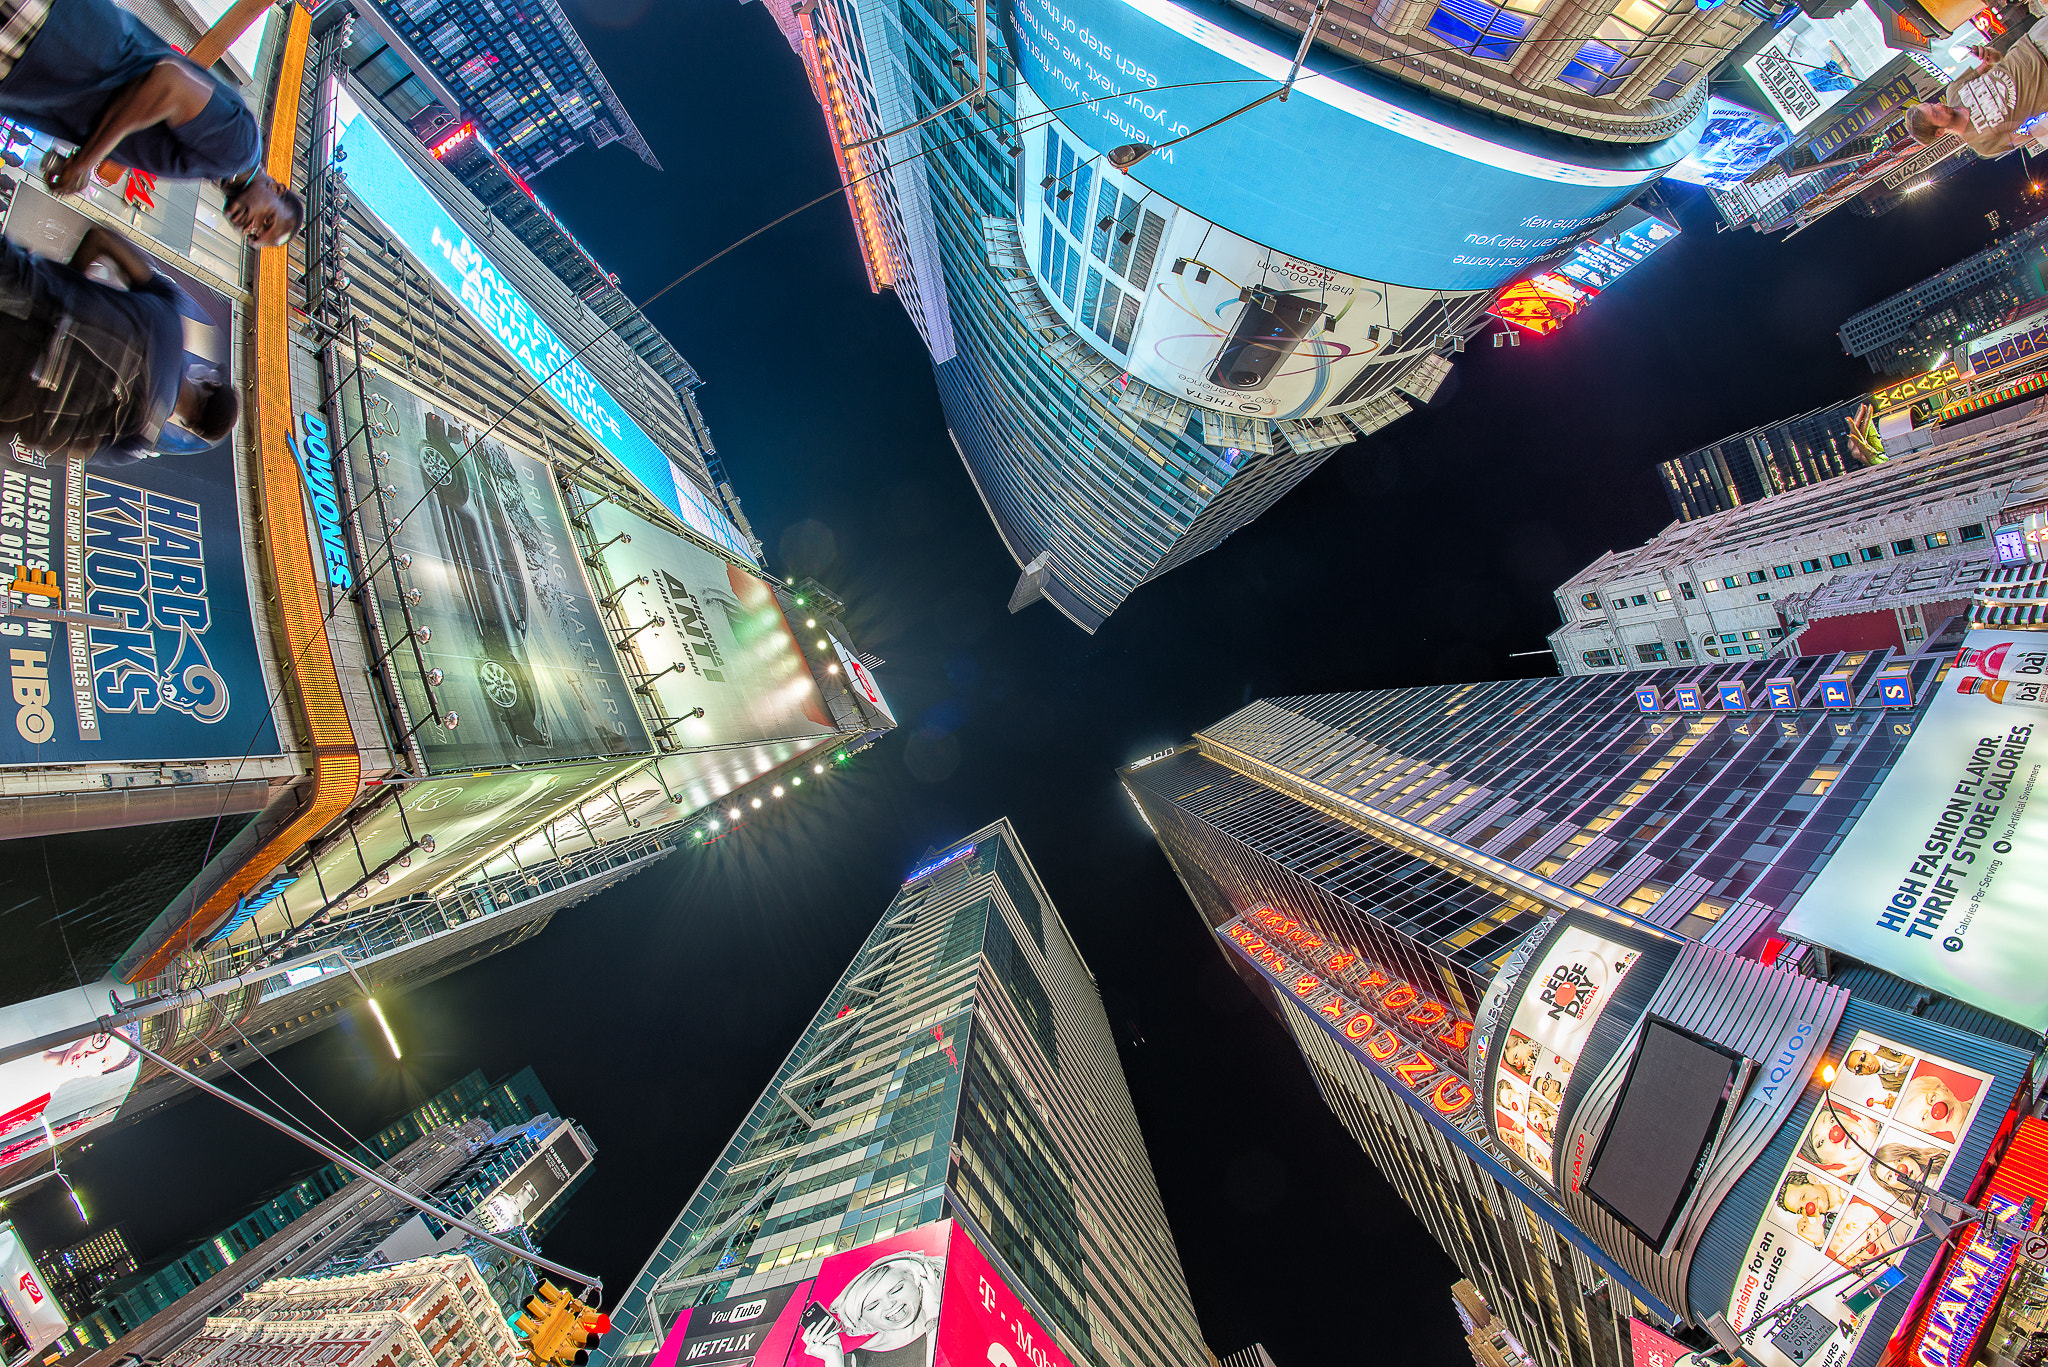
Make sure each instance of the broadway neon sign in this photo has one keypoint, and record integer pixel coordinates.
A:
(1383, 1020)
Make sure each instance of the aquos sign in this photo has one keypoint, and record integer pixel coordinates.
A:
(315, 460)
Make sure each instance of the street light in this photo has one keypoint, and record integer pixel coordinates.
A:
(389, 1038)
(1131, 153)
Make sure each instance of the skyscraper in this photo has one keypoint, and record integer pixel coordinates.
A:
(1536, 940)
(1902, 335)
(1715, 587)
(956, 1104)
(1139, 354)
(1768, 459)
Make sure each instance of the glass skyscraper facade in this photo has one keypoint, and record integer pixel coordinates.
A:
(1770, 459)
(961, 1069)
(1438, 837)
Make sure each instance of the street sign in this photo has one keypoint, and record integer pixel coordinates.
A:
(2034, 1247)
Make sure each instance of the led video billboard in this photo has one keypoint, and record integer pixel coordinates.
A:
(1400, 187)
(1840, 1202)
(388, 188)
(67, 1090)
(156, 545)
(927, 1296)
(1810, 65)
(1940, 881)
(526, 664)
(1736, 142)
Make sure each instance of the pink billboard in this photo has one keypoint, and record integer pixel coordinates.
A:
(878, 1305)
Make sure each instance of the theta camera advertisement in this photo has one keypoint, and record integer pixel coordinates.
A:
(503, 614)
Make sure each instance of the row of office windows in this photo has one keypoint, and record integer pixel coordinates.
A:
(1839, 560)
(1657, 652)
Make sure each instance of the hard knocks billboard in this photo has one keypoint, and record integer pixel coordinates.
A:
(1942, 878)
(156, 545)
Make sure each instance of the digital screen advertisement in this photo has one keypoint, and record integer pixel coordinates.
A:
(526, 662)
(66, 1090)
(1810, 65)
(1842, 1199)
(1736, 142)
(1565, 993)
(1399, 187)
(389, 189)
(29, 1304)
(157, 545)
(928, 1296)
(1940, 879)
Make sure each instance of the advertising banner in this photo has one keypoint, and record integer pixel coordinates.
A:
(389, 189)
(523, 1197)
(526, 663)
(1842, 1200)
(871, 1303)
(64, 1091)
(1401, 187)
(985, 1325)
(35, 1312)
(1810, 64)
(1736, 142)
(863, 682)
(724, 644)
(747, 1331)
(157, 545)
(1942, 878)
(1568, 988)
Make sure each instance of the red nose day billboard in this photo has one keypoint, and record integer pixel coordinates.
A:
(925, 1298)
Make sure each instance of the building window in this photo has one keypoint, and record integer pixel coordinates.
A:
(1752, 635)
(1651, 654)
(1620, 603)
(1730, 637)
(1598, 659)
(1809, 567)
(1685, 592)
(1684, 649)
(1870, 553)
(1729, 581)
(1489, 31)
(1905, 547)
(1973, 532)
(1590, 601)
(1840, 559)
(1663, 595)
(1639, 600)
(1782, 571)
(1935, 540)
(1777, 633)
(1754, 650)
(1763, 598)
(1757, 576)
(1821, 779)
(1711, 585)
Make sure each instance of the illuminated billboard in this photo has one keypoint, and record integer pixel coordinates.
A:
(1736, 142)
(66, 1090)
(1540, 304)
(863, 681)
(1840, 1201)
(388, 188)
(1567, 990)
(1401, 186)
(526, 1195)
(1810, 65)
(503, 613)
(1940, 881)
(29, 1304)
(929, 1296)
(158, 545)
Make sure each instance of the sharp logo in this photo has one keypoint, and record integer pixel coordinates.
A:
(739, 1314)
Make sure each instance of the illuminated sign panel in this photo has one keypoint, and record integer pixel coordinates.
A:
(1782, 693)
(941, 862)
(389, 189)
(1431, 200)
(67, 1090)
(862, 680)
(311, 453)
(1918, 387)
(37, 1316)
(2007, 346)
(1940, 881)
(1810, 64)
(1840, 1202)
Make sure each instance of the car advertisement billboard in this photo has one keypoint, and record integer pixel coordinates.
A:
(66, 1090)
(1568, 988)
(468, 817)
(156, 545)
(388, 188)
(503, 613)
(36, 1315)
(721, 644)
(1194, 309)
(1401, 187)
(929, 1296)
(1844, 1200)
(1941, 880)
(1810, 65)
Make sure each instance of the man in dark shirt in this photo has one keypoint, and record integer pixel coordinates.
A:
(95, 76)
(92, 370)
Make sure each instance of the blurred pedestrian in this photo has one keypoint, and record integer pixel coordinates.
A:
(95, 76)
(91, 370)
(1989, 106)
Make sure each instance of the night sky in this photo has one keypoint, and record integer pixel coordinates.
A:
(656, 1013)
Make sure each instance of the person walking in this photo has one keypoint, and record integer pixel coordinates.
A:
(92, 371)
(95, 76)
(1989, 106)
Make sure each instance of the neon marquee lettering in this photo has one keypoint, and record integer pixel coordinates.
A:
(1416, 1070)
(1450, 1096)
(1383, 1046)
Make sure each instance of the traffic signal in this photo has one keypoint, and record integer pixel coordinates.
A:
(559, 1330)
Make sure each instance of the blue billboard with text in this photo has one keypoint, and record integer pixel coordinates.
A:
(1399, 187)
